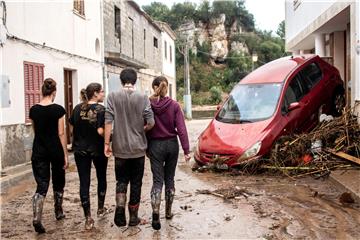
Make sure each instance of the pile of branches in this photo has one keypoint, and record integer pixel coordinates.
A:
(314, 152)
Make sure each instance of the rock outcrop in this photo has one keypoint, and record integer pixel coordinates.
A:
(216, 34)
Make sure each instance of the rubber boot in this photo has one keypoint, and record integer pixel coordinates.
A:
(102, 211)
(38, 203)
(155, 203)
(89, 222)
(120, 218)
(133, 212)
(169, 198)
(58, 200)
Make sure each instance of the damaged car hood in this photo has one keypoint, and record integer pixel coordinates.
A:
(228, 139)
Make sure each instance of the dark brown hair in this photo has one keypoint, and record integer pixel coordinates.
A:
(89, 92)
(48, 87)
(91, 89)
(160, 87)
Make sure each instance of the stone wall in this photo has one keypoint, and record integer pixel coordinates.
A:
(16, 144)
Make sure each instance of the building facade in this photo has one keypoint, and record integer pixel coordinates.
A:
(168, 56)
(40, 39)
(331, 29)
(132, 39)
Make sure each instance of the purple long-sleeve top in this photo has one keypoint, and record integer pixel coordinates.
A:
(169, 122)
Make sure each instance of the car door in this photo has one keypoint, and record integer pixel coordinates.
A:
(313, 85)
(297, 119)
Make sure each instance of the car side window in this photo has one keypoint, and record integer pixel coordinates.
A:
(312, 75)
(294, 93)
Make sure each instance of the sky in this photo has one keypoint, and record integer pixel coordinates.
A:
(267, 13)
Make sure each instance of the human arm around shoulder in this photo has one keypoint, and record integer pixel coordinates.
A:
(182, 132)
(100, 120)
(148, 115)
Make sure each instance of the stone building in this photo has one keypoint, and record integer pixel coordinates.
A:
(132, 39)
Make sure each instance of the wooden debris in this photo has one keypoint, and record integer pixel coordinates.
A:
(339, 140)
(227, 193)
(347, 157)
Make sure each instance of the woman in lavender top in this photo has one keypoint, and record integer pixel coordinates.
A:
(163, 147)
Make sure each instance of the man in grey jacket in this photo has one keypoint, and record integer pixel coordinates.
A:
(130, 113)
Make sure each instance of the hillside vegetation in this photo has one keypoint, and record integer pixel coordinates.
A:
(212, 75)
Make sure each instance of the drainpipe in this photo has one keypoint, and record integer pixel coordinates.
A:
(102, 47)
(320, 44)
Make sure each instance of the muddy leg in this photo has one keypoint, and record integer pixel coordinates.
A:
(89, 222)
(58, 200)
(155, 203)
(169, 198)
(38, 202)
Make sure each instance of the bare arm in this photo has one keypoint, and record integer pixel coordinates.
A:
(62, 136)
(107, 133)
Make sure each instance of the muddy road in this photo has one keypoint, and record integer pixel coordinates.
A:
(274, 208)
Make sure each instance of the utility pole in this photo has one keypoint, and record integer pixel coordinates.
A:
(187, 95)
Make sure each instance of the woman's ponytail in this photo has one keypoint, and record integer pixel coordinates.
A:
(160, 87)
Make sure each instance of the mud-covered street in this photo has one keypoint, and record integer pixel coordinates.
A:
(274, 208)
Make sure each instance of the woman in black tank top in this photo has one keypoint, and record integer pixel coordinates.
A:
(49, 149)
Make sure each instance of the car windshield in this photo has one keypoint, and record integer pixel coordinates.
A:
(250, 103)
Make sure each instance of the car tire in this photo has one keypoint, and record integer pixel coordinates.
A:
(338, 102)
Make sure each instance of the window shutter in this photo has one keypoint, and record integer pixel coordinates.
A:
(33, 79)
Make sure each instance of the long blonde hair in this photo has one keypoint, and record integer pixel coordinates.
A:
(160, 87)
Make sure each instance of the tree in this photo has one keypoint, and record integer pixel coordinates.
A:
(281, 30)
(269, 51)
(157, 11)
(204, 11)
(181, 13)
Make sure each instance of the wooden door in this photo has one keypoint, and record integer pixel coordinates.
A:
(69, 105)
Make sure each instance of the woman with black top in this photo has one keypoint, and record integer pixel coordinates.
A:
(88, 120)
(49, 149)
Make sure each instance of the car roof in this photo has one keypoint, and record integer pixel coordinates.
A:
(276, 71)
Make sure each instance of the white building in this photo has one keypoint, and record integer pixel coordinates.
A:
(57, 39)
(331, 29)
(168, 56)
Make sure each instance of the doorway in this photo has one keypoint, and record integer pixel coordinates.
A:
(69, 104)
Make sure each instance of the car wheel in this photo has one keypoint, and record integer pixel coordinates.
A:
(338, 103)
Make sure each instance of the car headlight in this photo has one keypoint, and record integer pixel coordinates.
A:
(251, 152)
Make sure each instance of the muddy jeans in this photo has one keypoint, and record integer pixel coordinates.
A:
(130, 170)
(41, 170)
(163, 156)
(83, 163)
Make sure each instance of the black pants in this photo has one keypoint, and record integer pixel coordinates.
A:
(163, 156)
(130, 170)
(83, 163)
(41, 170)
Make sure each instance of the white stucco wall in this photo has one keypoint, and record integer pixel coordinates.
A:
(168, 67)
(15, 55)
(55, 24)
(307, 11)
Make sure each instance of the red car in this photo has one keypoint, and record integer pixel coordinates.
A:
(279, 98)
